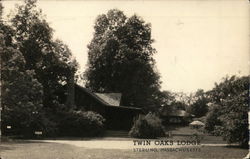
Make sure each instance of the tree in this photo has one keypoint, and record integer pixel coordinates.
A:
(51, 60)
(235, 118)
(212, 119)
(186, 99)
(120, 59)
(199, 107)
(35, 71)
(228, 87)
(20, 91)
(230, 119)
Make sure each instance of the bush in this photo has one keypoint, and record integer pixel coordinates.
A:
(148, 126)
(23, 129)
(82, 124)
(235, 119)
(199, 107)
(49, 128)
(229, 117)
(212, 119)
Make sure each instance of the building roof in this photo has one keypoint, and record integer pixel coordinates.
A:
(104, 99)
(110, 98)
(176, 113)
(197, 123)
(180, 113)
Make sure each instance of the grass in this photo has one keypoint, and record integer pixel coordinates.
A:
(23, 149)
(39, 150)
(186, 133)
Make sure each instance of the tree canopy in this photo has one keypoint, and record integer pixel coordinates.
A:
(20, 90)
(34, 71)
(229, 114)
(50, 59)
(199, 106)
(120, 59)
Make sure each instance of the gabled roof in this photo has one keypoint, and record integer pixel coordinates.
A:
(197, 123)
(101, 100)
(176, 113)
(110, 98)
(180, 113)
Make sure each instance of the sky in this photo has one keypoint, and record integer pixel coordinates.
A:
(197, 42)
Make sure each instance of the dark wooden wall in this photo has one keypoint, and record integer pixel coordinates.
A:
(117, 118)
(86, 102)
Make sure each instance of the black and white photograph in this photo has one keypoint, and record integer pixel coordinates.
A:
(129, 79)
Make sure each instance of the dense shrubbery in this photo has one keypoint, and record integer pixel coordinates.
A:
(22, 129)
(199, 105)
(34, 69)
(212, 119)
(228, 116)
(148, 126)
(84, 124)
(65, 123)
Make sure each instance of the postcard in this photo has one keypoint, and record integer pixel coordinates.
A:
(124, 79)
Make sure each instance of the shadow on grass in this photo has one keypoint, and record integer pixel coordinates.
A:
(9, 145)
(173, 127)
(235, 147)
(6, 147)
(66, 138)
(19, 141)
(90, 138)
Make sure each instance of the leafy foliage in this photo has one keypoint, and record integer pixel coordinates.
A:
(148, 126)
(51, 60)
(79, 123)
(212, 119)
(22, 111)
(199, 107)
(230, 117)
(120, 59)
(34, 70)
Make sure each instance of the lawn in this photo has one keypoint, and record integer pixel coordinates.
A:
(185, 132)
(119, 148)
(43, 150)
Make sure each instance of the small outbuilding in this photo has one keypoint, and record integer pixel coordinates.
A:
(175, 116)
(196, 124)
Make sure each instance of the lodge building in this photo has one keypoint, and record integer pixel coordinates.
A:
(107, 104)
